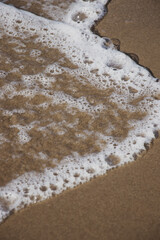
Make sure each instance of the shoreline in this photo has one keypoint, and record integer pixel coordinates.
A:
(28, 222)
(124, 204)
(139, 19)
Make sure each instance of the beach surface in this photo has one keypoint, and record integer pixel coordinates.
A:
(124, 204)
(136, 25)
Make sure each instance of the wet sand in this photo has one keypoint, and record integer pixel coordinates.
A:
(124, 204)
(136, 24)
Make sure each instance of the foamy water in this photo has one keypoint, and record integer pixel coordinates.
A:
(72, 106)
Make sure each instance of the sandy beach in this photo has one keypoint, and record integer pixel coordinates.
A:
(123, 204)
(136, 25)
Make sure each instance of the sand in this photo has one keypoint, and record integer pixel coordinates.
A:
(136, 24)
(124, 204)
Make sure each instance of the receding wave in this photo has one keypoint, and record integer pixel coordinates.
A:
(71, 105)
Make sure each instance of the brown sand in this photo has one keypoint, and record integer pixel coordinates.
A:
(124, 204)
(137, 25)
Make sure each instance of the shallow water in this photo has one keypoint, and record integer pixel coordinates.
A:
(71, 106)
(49, 9)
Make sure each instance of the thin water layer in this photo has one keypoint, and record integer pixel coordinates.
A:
(71, 107)
(34, 128)
(70, 11)
(51, 9)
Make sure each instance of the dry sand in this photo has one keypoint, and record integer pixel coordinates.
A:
(124, 204)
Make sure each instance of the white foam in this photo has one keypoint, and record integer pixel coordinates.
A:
(74, 39)
(65, 11)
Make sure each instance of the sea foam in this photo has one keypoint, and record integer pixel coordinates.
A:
(104, 102)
